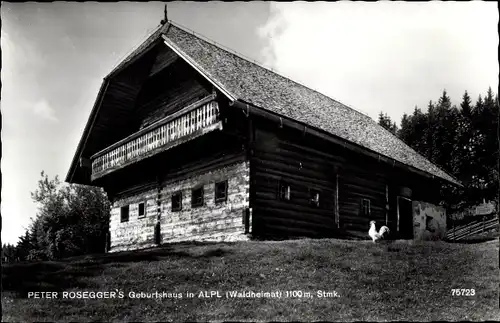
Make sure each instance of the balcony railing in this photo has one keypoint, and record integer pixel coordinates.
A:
(189, 122)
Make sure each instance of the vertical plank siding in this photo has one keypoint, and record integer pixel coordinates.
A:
(170, 102)
(115, 124)
(167, 91)
(136, 98)
(164, 58)
(116, 118)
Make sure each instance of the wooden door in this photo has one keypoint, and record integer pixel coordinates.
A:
(404, 218)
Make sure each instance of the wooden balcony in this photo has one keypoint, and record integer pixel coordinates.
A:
(190, 122)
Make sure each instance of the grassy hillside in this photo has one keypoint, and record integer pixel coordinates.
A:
(377, 282)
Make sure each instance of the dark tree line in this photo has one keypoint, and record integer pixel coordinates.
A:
(71, 220)
(462, 140)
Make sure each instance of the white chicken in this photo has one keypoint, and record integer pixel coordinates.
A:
(381, 234)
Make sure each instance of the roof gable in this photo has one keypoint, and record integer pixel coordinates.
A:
(239, 78)
(117, 94)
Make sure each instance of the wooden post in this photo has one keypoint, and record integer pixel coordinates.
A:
(337, 215)
(108, 242)
(246, 220)
(250, 220)
(386, 204)
(454, 236)
(157, 232)
(397, 220)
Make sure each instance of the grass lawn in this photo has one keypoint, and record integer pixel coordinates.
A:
(401, 280)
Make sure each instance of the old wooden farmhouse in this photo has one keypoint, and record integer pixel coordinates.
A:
(192, 142)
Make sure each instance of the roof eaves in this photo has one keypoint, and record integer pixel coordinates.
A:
(451, 177)
(346, 143)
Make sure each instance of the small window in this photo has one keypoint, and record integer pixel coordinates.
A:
(221, 192)
(314, 197)
(284, 191)
(124, 213)
(197, 197)
(176, 201)
(365, 207)
(142, 210)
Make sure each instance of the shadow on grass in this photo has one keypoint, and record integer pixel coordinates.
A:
(43, 276)
(64, 274)
(326, 233)
(174, 250)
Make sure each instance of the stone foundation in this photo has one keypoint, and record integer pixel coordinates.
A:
(222, 221)
(136, 233)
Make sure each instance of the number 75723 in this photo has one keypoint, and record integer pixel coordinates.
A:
(463, 292)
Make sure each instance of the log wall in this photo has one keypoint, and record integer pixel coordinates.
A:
(307, 162)
(355, 184)
(281, 157)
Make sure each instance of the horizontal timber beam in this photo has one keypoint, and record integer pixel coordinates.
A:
(249, 108)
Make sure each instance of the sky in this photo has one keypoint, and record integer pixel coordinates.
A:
(383, 56)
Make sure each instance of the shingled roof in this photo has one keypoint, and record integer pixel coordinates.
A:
(252, 83)
(241, 79)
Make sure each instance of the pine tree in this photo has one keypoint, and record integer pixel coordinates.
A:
(466, 106)
(414, 131)
(420, 129)
(453, 124)
(24, 246)
(465, 141)
(478, 178)
(385, 121)
(429, 133)
(489, 130)
(405, 121)
(380, 118)
(497, 149)
(444, 132)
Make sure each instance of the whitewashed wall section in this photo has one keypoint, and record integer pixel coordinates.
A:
(429, 221)
(211, 222)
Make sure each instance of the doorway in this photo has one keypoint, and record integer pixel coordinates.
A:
(404, 225)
